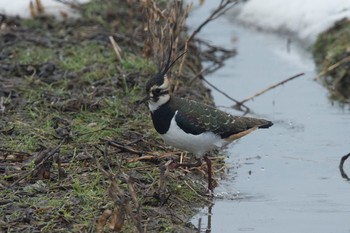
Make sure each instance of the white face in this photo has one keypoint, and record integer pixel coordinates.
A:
(159, 95)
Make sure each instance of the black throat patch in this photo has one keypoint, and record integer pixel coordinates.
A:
(162, 118)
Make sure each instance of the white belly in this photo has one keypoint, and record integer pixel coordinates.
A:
(196, 144)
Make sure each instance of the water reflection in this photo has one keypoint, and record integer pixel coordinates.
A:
(206, 229)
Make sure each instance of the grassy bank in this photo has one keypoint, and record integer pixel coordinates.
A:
(331, 52)
(72, 129)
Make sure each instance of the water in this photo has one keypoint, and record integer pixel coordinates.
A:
(286, 178)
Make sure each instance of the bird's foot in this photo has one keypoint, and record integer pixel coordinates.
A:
(209, 193)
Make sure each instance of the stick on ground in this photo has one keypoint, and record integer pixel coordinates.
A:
(341, 166)
(267, 89)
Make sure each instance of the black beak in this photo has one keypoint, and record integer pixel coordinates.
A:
(144, 100)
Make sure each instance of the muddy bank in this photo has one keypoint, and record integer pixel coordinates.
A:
(331, 54)
(72, 129)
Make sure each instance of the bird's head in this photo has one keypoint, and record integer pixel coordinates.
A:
(158, 91)
(158, 87)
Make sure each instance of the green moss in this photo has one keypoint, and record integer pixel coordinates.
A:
(33, 54)
(85, 55)
(134, 63)
(331, 45)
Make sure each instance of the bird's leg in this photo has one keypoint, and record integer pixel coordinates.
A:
(208, 162)
(199, 162)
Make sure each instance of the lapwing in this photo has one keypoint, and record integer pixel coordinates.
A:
(193, 126)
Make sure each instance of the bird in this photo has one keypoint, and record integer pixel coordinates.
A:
(193, 126)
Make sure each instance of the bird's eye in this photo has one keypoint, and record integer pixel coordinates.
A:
(156, 91)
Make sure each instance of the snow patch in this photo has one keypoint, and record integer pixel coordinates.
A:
(21, 8)
(303, 18)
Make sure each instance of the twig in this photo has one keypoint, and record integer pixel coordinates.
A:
(152, 157)
(122, 147)
(102, 220)
(164, 170)
(59, 167)
(208, 70)
(2, 105)
(197, 194)
(136, 219)
(341, 166)
(332, 67)
(15, 152)
(107, 157)
(47, 157)
(220, 10)
(122, 199)
(143, 155)
(229, 97)
(217, 61)
(90, 132)
(269, 88)
(216, 54)
(116, 48)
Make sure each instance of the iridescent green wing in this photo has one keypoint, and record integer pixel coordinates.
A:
(197, 118)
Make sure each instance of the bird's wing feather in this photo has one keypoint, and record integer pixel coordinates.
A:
(197, 118)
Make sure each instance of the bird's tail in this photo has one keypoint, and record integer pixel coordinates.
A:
(266, 125)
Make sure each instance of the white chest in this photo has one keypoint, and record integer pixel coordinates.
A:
(196, 144)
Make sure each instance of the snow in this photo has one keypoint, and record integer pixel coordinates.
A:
(304, 19)
(21, 8)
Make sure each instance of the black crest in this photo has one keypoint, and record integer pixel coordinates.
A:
(158, 79)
